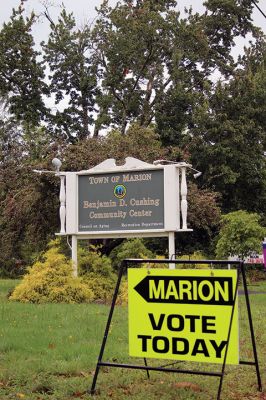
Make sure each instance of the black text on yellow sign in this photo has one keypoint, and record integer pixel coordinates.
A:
(182, 314)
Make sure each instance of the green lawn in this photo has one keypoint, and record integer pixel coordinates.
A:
(50, 352)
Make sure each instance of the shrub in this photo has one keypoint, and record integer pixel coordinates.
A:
(97, 273)
(132, 248)
(90, 260)
(240, 235)
(255, 273)
(51, 281)
(101, 286)
(155, 265)
(196, 256)
(122, 298)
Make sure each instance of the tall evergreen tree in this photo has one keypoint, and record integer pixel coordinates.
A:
(72, 77)
(228, 140)
(21, 74)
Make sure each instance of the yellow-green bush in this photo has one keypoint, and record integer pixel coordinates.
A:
(97, 273)
(101, 286)
(122, 298)
(131, 248)
(51, 281)
(90, 260)
(156, 265)
(196, 256)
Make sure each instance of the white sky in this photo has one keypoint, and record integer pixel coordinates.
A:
(84, 11)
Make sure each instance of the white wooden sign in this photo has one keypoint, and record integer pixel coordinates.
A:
(136, 199)
(115, 201)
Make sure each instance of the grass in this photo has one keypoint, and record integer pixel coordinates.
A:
(50, 352)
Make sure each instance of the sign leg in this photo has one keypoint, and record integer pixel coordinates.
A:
(171, 248)
(252, 334)
(107, 328)
(146, 364)
(74, 255)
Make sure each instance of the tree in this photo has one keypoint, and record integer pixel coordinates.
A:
(139, 142)
(228, 140)
(72, 77)
(21, 75)
(131, 45)
(240, 235)
(204, 217)
(153, 63)
(28, 203)
(147, 73)
(140, 63)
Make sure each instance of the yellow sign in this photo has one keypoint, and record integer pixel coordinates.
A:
(183, 314)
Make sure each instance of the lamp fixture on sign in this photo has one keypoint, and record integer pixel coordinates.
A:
(179, 164)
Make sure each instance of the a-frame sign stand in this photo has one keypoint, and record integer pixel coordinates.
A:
(239, 265)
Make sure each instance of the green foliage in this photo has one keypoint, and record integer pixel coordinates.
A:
(204, 212)
(123, 293)
(240, 235)
(225, 21)
(156, 65)
(139, 142)
(228, 140)
(72, 77)
(28, 203)
(96, 271)
(196, 256)
(149, 265)
(132, 248)
(143, 50)
(140, 62)
(204, 215)
(90, 260)
(148, 74)
(21, 75)
(51, 281)
(255, 273)
(101, 286)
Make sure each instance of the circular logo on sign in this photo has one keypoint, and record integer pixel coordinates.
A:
(120, 191)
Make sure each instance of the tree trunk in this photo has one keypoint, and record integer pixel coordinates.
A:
(84, 132)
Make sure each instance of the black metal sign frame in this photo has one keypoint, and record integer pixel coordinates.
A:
(239, 265)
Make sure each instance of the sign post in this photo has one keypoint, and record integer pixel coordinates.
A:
(74, 254)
